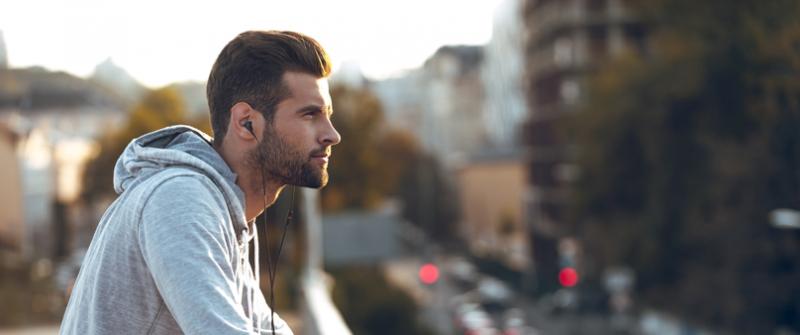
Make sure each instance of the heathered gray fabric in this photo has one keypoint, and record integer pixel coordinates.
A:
(170, 254)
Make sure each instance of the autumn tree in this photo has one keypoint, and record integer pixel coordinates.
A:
(368, 164)
(683, 154)
(157, 109)
(375, 162)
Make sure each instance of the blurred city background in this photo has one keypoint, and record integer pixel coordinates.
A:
(540, 167)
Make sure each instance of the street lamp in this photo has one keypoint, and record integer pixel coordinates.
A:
(785, 218)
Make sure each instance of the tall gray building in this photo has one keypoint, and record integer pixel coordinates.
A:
(441, 102)
(565, 40)
(502, 74)
(3, 52)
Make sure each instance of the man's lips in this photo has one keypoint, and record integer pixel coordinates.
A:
(321, 157)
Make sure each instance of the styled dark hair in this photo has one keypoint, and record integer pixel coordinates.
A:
(250, 69)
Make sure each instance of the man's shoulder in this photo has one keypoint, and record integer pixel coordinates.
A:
(185, 195)
(181, 183)
(176, 176)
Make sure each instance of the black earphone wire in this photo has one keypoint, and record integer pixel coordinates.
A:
(273, 267)
(273, 270)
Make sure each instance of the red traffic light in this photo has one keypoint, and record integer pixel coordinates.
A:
(428, 274)
(568, 277)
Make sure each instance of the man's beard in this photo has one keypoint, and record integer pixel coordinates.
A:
(279, 161)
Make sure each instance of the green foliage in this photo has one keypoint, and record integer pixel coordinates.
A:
(372, 305)
(684, 152)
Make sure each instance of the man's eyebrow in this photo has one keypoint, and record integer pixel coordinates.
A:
(327, 109)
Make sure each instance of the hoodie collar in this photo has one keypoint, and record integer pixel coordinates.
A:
(183, 146)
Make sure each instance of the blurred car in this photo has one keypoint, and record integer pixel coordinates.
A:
(495, 295)
(463, 273)
(514, 323)
(471, 319)
(464, 298)
(562, 301)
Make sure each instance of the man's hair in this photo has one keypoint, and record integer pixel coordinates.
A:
(250, 69)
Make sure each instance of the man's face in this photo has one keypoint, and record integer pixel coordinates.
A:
(295, 149)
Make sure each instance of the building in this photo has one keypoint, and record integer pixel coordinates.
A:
(402, 100)
(12, 228)
(56, 119)
(502, 75)
(441, 102)
(466, 105)
(491, 188)
(564, 40)
(453, 117)
(3, 53)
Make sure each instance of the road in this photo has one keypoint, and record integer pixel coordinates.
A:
(431, 299)
(436, 304)
(39, 330)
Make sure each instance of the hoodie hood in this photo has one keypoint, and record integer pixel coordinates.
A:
(182, 146)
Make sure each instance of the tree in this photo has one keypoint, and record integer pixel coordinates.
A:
(367, 165)
(372, 305)
(429, 200)
(375, 162)
(684, 152)
(157, 109)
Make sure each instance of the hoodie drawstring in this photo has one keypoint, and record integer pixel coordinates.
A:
(257, 276)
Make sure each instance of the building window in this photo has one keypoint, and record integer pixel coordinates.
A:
(542, 174)
(596, 6)
(543, 133)
(552, 211)
(570, 92)
(547, 90)
(636, 35)
(564, 52)
(598, 40)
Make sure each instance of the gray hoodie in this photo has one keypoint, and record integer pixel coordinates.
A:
(170, 255)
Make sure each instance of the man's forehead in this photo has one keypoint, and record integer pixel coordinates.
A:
(298, 82)
(306, 90)
(295, 77)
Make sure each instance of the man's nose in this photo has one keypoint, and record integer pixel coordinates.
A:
(330, 135)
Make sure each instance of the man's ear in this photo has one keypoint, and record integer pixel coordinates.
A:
(241, 113)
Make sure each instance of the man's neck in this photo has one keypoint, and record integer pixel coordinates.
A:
(260, 191)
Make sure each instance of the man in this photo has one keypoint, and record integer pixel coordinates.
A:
(170, 255)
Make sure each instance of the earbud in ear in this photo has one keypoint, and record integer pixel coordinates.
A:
(249, 126)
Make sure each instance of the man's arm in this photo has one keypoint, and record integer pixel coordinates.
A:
(186, 242)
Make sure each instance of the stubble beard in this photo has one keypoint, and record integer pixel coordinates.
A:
(279, 161)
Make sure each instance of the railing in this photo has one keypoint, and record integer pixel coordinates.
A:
(320, 314)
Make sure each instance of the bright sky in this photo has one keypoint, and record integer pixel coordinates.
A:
(160, 41)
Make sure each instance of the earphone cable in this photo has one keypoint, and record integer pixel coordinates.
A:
(272, 269)
(269, 259)
(288, 220)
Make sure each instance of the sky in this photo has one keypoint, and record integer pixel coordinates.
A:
(159, 42)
